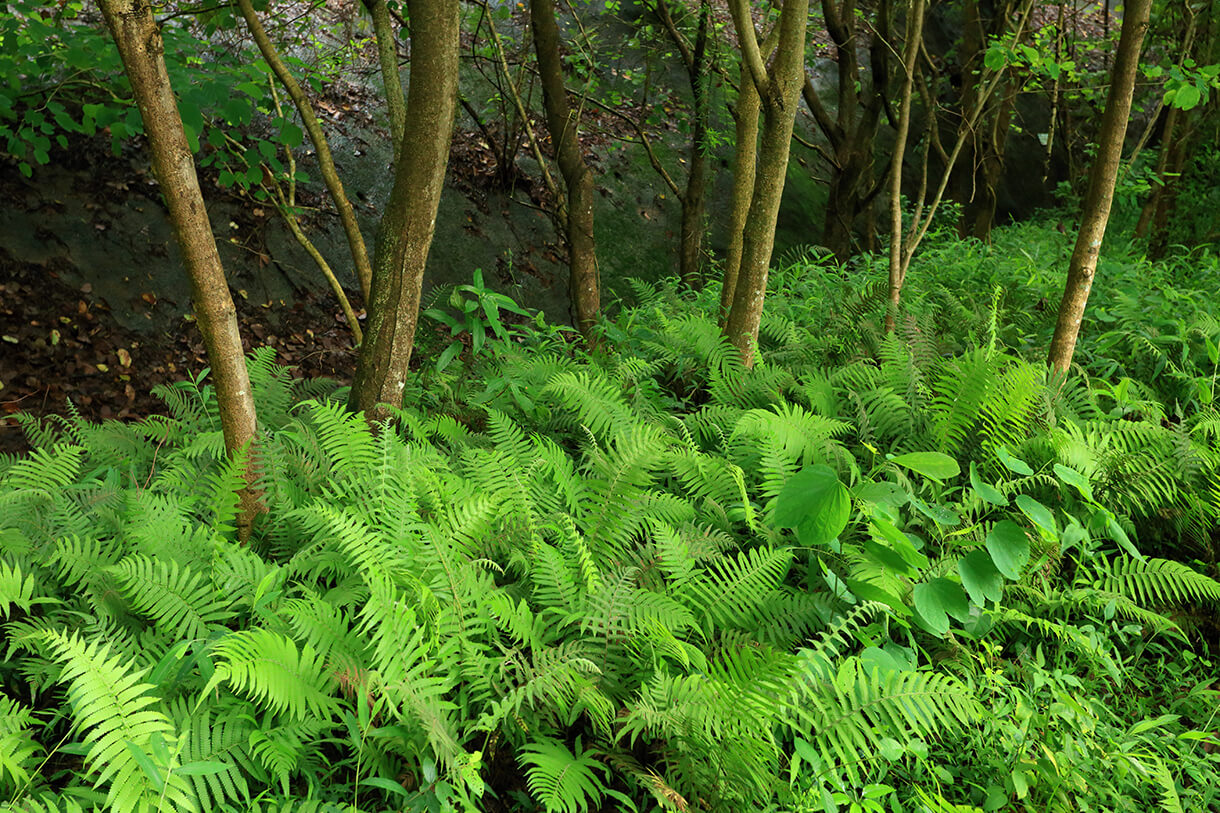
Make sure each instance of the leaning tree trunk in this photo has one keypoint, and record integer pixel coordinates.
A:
(138, 39)
(562, 124)
(405, 233)
(1102, 178)
(779, 89)
(326, 163)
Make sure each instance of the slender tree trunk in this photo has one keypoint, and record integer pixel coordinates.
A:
(565, 140)
(326, 163)
(981, 214)
(1149, 209)
(690, 259)
(910, 54)
(138, 39)
(779, 90)
(387, 55)
(1102, 178)
(405, 234)
(693, 198)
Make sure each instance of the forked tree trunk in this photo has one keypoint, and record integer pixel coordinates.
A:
(404, 236)
(326, 163)
(562, 124)
(138, 39)
(778, 89)
(745, 156)
(1102, 178)
(853, 130)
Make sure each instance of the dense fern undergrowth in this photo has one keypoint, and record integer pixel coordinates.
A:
(873, 573)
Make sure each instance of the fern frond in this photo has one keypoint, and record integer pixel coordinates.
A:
(848, 723)
(562, 781)
(1157, 582)
(732, 590)
(275, 673)
(121, 718)
(16, 589)
(183, 604)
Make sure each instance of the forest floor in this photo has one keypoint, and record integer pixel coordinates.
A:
(60, 343)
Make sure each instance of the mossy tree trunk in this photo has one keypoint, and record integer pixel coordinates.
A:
(140, 47)
(404, 236)
(563, 125)
(779, 89)
(1102, 178)
(851, 132)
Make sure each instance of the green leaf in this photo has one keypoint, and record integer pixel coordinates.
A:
(938, 599)
(1009, 548)
(935, 465)
(1075, 479)
(147, 766)
(986, 491)
(980, 577)
(1014, 464)
(901, 543)
(291, 135)
(1187, 97)
(881, 493)
(448, 354)
(815, 503)
(1039, 513)
(386, 784)
(995, 58)
(940, 514)
(203, 768)
(1120, 536)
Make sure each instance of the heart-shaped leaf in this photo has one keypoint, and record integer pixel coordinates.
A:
(815, 503)
(980, 577)
(1009, 548)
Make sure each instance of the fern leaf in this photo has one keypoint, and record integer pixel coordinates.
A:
(275, 673)
(16, 589)
(562, 781)
(183, 603)
(123, 722)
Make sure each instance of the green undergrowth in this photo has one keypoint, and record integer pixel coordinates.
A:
(872, 573)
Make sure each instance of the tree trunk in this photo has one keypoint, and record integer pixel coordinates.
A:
(980, 215)
(1102, 178)
(387, 56)
(1149, 209)
(853, 131)
(745, 157)
(326, 163)
(565, 141)
(779, 90)
(138, 39)
(405, 233)
(690, 259)
(910, 55)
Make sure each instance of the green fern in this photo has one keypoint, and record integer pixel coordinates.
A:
(275, 673)
(182, 603)
(562, 781)
(132, 741)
